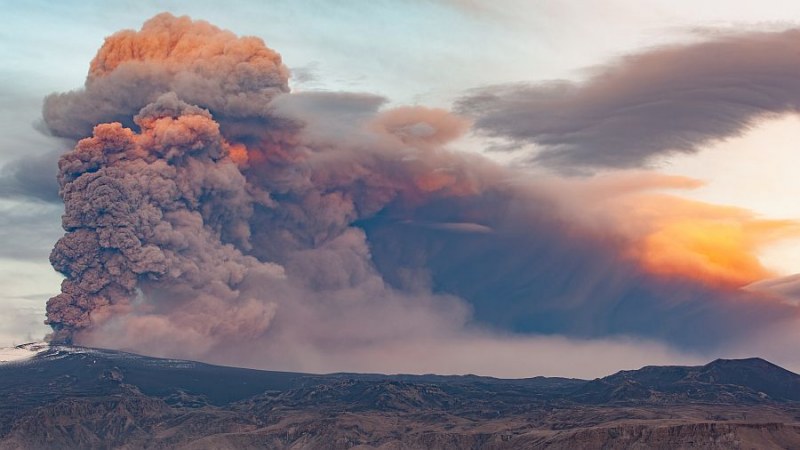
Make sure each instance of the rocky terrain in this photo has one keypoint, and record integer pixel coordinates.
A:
(67, 397)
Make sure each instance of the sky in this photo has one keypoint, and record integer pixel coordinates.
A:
(652, 136)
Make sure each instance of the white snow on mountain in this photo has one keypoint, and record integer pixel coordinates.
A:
(22, 352)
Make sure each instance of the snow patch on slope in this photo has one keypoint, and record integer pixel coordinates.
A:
(22, 352)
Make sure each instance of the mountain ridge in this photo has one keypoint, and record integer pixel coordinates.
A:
(96, 398)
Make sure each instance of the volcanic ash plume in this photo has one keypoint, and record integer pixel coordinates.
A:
(166, 205)
(190, 197)
(211, 214)
(150, 208)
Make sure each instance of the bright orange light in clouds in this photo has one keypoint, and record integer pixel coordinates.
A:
(238, 153)
(722, 250)
(674, 236)
(756, 171)
(180, 42)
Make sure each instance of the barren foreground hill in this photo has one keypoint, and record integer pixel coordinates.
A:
(68, 397)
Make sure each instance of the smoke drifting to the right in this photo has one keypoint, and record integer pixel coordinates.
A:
(212, 214)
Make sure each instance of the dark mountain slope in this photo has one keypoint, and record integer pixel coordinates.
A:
(752, 380)
(69, 397)
(74, 371)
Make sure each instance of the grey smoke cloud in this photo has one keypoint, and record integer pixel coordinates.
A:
(208, 67)
(211, 214)
(31, 177)
(662, 101)
(148, 208)
(27, 229)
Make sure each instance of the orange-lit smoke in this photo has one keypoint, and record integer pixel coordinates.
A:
(676, 237)
(429, 129)
(718, 245)
(420, 126)
(238, 154)
(216, 211)
(176, 43)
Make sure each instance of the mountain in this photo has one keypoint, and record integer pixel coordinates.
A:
(71, 397)
(752, 380)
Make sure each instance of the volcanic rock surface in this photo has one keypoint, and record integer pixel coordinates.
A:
(72, 397)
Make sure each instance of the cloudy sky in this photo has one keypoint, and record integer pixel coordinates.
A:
(631, 191)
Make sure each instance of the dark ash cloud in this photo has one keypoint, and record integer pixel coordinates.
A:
(31, 177)
(212, 214)
(27, 229)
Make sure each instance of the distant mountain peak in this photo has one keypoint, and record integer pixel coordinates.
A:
(754, 362)
(747, 380)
